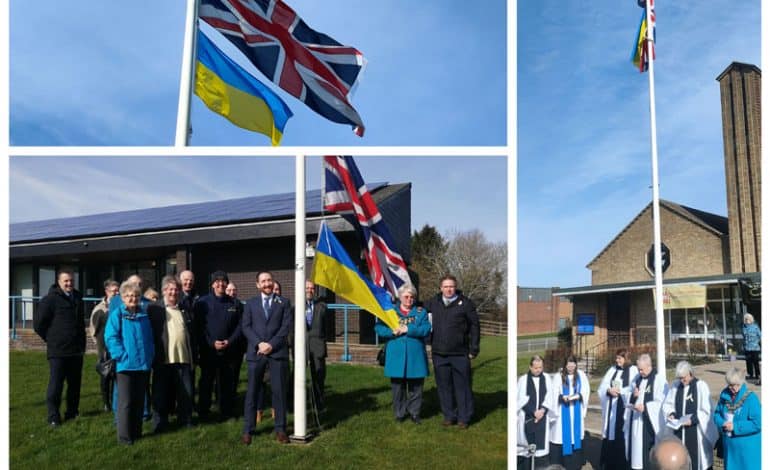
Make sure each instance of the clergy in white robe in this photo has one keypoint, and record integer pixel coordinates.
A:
(616, 382)
(646, 395)
(572, 392)
(690, 396)
(535, 400)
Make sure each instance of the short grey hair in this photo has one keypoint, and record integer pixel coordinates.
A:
(684, 368)
(129, 286)
(735, 376)
(170, 279)
(407, 288)
(748, 318)
(645, 358)
(669, 440)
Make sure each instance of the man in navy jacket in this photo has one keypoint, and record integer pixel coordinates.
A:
(219, 317)
(266, 325)
(60, 322)
(455, 341)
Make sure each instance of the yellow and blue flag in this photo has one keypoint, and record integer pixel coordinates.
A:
(230, 90)
(334, 270)
(639, 54)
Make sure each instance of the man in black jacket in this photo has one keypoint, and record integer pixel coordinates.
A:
(219, 317)
(60, 322)
(455, 341)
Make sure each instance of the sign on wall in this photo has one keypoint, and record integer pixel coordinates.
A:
(586, 323)
(683, 296)
(665, 259)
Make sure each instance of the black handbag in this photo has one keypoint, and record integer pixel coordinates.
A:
(106, 368)
(381, 355)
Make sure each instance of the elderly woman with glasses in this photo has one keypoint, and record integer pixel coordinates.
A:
(406, 362)
(129, 339)
(738, 417)
(688, 413)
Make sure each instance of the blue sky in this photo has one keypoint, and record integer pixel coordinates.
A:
(107, 73)
(583, 122)
(442, 193)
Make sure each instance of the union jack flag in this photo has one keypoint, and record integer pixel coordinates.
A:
(345, 193)
(309, 65)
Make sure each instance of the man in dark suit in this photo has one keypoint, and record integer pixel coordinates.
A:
(315, 316)
(266, 325)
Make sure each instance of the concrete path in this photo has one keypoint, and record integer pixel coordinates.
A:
(712, 374)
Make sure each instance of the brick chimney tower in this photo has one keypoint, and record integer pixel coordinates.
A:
(740, 87)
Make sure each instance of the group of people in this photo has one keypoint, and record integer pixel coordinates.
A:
(159, 345)
(639, 409)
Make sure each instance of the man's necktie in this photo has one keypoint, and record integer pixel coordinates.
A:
(266, 306)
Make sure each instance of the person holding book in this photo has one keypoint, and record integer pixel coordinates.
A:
(614, 412)
(688, 412)
(534, 402)
(644, 398)
(572, 390)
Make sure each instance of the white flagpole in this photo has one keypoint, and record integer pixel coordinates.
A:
(300, 411)
(186, 79)
(659, 318)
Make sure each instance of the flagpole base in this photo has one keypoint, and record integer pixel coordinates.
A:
(306, 439)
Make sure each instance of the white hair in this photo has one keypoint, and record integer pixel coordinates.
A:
(748, 318)
(684, 368)
(734, 376)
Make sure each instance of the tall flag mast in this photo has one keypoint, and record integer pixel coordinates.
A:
(182, 138)
(645, 57)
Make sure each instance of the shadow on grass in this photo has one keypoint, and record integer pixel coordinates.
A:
(343, 406)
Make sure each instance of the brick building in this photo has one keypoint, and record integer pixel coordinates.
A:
(240, 236)
(539, 311)
(716, 256)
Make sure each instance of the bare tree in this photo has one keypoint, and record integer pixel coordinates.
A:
(480, 268)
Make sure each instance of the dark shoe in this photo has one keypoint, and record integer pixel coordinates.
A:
(281, 437)
(400, 419)
(462, 425)
(246, 439)
(54, 424)
(416, 419)
(448, 423)
(69, 416)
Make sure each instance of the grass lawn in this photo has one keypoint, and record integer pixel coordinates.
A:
(358, 429)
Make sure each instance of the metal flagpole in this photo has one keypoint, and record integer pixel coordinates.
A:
(186, 80)
(659, 318)
(300, 409)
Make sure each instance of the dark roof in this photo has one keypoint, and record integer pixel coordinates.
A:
(740, 66)
(650, 284)
(240, 210)
(712, 222)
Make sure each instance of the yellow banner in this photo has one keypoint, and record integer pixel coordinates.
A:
(683, 296)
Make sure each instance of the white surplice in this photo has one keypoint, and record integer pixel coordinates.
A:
(707, 430)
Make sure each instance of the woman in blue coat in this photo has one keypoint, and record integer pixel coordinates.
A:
(738, 417)
(128, 337)
(406, 362)
(751, 339)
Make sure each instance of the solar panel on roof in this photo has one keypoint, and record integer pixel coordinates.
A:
(228, 211)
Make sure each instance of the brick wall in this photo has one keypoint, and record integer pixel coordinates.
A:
(695, 251)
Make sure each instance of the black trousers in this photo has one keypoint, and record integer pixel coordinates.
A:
(573, 461)
(752, 363)
(453, 383)
(279, 371)
(317, 378)
(217, 367)
(69, 368)
(407, 396)
(132, 387)
(171, 380)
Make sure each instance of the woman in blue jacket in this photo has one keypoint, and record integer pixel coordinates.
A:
(406, 362)
(751, 339)
(128, 336)
(738, 417)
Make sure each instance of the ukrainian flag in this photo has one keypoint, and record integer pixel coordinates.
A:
(230, 90)
(334, 270)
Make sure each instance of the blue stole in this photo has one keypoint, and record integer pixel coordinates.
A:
(567, 445)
